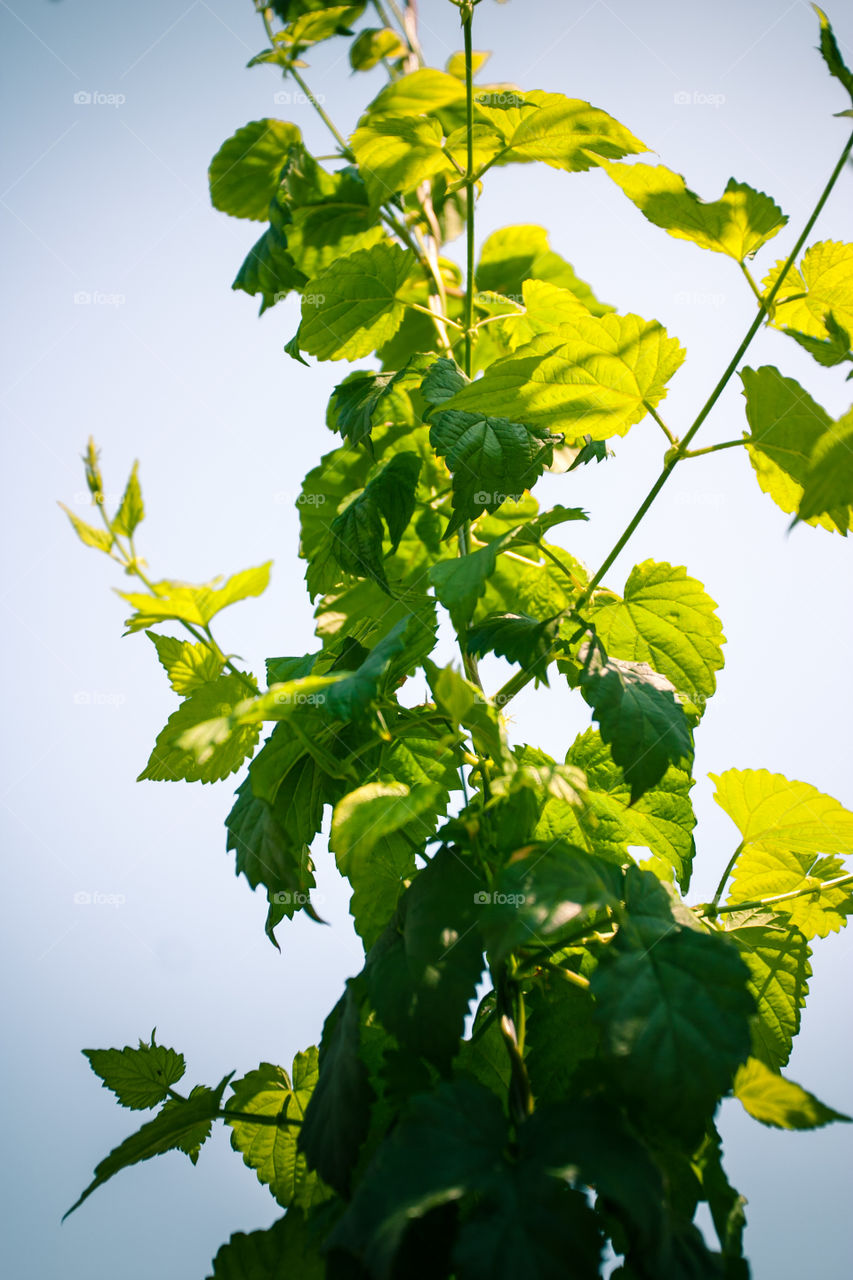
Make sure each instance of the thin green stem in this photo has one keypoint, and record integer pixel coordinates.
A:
(730, 866)
(464, 535)
(549, 554)
(416, 306)
(659, 420)
(715, 448)
(753, 286)
(757, 903)
(267, 16)
(251, 1117)
(522, 678)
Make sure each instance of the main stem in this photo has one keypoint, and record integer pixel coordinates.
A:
(522, 678)
(464, 535)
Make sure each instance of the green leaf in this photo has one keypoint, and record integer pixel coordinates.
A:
(738, 224)
(164, 1133)
(786, 826)
(832, 350)
(513, 255)
(666, 619)
(464, 704)
(337, 222)
(492, 460)
(270, 1150)
(139, 1078)
(131, 510)
(352, 307)
(269, 270)
(541, 892)
(786, 426)
(284, 1251)
(565, 133)
(591, 377)
(778, 1102)
(244, 173)
(561, 1034)
(638, 716)
(825, 276)
(271, 840)
(828, 485)
(192, 1139)
(459, 1133)
(89, 535)
(368, 400)
(378, 809)
(338, 1115)
(516, 637)
(372, 45)
(397, 654)
(779, 969)
(725, 1204)
(417, 93)
(662, 819)
(831, 53)
(357, 532)
(675, 1018)
(180, 602)
(423, 973)
(187, 665)
(396, 154)
(459, 583)
(174, 759)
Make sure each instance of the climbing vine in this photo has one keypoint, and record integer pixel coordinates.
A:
(525, 1073)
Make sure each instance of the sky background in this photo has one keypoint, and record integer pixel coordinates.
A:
(109, 199)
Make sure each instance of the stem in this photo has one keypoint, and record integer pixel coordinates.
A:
(267, 15)
(416, 306)
(753, 286)
(248, 1117)
(715, 448)
(522, 678)
(329, 123)
(725, 877)
(824, 887)
(408, 25)
(130, 564)
(469, 189)
(664, 428)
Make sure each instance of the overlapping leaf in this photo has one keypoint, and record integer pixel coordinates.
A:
(776, 1101)
(667, 619)
(140, 1078)
(737, 224)
(825, 277)
(245, 171)
(352, 306)
(181, 602)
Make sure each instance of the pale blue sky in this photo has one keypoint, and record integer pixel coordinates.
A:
(166, 364)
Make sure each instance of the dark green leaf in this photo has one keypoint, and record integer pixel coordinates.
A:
(516, 637)
(831, 53)
(286, 1251)
(357, 532)
(638, 716)
(338, 1115)
(423, 973)
(675, 1014)
(139, 1078)
(164, 1133)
